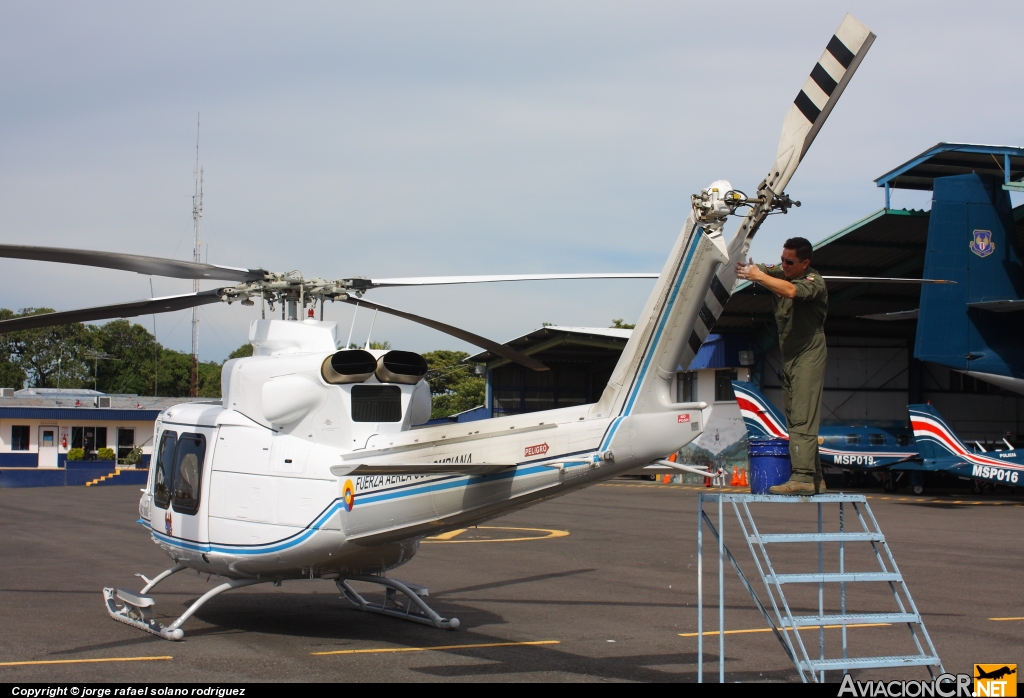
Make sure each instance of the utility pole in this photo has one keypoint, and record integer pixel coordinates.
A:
(197, 215)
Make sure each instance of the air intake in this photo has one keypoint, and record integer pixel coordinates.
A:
(102, 402)
(348, 366)
(401, 367)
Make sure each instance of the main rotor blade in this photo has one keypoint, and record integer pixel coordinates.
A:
(491, 278)
(474, 339)
(148, 306)
(157, 266)
(884, 280)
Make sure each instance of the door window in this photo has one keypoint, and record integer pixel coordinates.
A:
(47, 441)
(125, 442)
(188, 472)
(163, 480)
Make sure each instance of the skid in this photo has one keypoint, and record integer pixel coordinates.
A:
(136, 609)
(391, 606)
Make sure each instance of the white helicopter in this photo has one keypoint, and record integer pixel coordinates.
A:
(312, 466)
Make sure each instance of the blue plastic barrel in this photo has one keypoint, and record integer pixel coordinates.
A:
(769, 464)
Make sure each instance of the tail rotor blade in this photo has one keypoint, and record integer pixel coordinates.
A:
(815, 101)
(147, 306)
(466, 336)
(818, 96)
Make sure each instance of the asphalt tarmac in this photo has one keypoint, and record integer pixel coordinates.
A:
(599, 585)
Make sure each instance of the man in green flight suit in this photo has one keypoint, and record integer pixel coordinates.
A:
(801, 304)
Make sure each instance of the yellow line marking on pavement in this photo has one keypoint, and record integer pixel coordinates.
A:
(768, 630)
(1019, 618)
(386, 650)
(449, 535)
(551, 533)
(86, 661)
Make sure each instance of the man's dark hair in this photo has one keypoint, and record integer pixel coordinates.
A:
(802, 247)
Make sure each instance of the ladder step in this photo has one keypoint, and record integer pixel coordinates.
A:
(872, 662)
(852, 618)
(816, 577)
(816, 537)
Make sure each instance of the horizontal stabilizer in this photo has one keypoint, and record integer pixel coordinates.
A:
(883, 280)
(1003, 306)
(898, 315)
(422, 469)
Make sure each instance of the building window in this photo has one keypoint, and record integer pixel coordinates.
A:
(125, 442)
(686, 386)
(19, 438)
(89, 439)
(877, 439)
(723, 385)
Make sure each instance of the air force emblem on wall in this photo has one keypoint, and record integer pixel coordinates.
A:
(982, 244)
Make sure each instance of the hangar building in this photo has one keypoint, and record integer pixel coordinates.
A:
(871, 374)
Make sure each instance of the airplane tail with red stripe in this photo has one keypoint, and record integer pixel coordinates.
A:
(934, 438)
(760, 416)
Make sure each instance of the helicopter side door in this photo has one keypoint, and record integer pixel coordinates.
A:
(179, 480)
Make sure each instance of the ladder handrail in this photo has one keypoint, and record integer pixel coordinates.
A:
(784, 619)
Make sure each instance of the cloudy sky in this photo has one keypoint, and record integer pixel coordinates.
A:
(402, 139)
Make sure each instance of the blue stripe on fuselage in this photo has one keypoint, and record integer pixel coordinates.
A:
(662, 322)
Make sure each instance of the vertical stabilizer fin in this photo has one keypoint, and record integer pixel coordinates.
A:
(760, 416)
(933, 438)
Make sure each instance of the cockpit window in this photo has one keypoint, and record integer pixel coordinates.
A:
(188, 472)
(164, 478)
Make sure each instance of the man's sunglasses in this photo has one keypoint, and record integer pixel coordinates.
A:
(791, 262)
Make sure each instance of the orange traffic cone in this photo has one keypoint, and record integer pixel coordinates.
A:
(735, 482)
(667, 479)
(743, 478)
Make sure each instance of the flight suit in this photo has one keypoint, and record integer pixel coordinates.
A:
(802, 339)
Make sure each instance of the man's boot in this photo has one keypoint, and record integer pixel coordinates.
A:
(793, 488)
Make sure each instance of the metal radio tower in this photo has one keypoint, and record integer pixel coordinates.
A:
(197, 216)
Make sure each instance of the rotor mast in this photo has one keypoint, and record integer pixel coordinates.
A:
(197, 215)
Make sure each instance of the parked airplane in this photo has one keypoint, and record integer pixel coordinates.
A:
(942, 450)
(974, 326)
(848, 447)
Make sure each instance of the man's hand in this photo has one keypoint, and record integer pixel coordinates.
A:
(748, 270)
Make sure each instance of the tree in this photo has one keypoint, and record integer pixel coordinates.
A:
(133, 351)
(618, 324)
(241, 352)
(47, 356)
(453, 384)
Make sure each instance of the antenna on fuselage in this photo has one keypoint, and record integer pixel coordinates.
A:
(367, 345)
(348, 342)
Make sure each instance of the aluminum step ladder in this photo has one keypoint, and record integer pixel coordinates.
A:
(783, 622)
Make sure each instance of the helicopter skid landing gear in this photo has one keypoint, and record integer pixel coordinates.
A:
(391, 606)
(137, 610)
